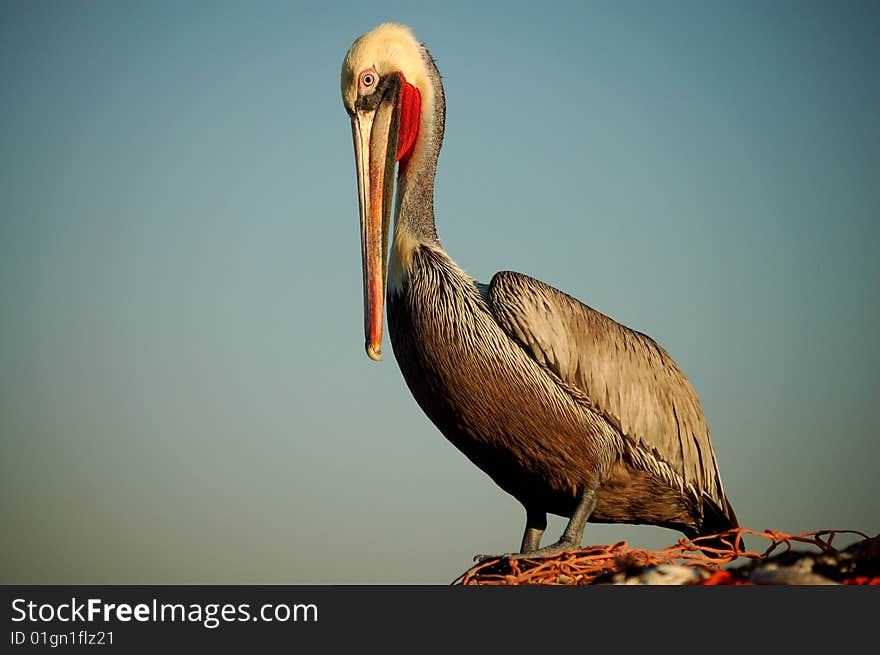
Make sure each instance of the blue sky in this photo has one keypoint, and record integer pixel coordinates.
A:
(185, 396)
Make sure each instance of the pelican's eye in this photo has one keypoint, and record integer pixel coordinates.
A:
(367, 81)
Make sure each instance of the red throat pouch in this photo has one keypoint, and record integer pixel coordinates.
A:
(409, 107)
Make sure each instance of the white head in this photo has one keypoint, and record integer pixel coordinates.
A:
(390, 48)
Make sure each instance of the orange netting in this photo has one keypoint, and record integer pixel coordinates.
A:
(859, 563)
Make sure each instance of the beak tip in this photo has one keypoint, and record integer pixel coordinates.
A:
(374, 352)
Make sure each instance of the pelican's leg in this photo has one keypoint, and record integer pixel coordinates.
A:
(536, 523)
(571, 537)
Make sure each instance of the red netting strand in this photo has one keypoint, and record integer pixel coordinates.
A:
(695, 562)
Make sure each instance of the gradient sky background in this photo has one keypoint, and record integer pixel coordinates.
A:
(184, 395)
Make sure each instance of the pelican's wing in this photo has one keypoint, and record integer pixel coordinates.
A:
(621, 374)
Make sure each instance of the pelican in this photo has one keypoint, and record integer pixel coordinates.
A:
(565, 409)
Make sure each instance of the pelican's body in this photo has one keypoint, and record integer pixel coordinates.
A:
(565, 409)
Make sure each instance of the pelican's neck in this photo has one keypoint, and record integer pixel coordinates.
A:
(414, 212)
(414, 208)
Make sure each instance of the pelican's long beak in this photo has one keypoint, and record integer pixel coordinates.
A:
(375, 147)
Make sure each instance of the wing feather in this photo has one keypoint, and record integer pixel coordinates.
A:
(622, 374)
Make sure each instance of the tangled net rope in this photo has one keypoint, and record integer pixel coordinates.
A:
(859, 563)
